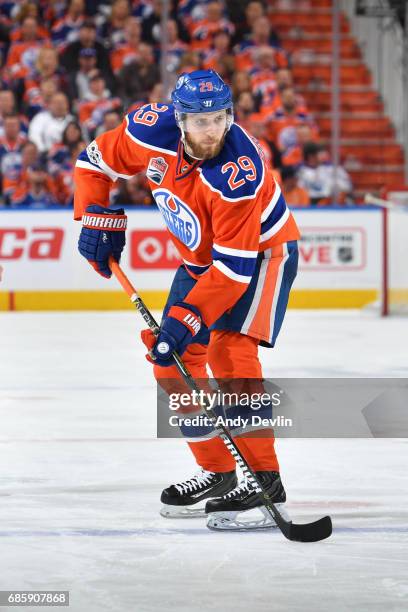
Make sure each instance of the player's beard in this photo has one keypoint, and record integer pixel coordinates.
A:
(203, 151)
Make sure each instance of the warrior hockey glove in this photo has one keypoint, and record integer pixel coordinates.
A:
(177, 331)
(102, 235)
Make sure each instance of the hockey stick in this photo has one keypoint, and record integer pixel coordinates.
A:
(308, 532)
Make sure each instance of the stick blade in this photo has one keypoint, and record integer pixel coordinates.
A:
(310, 532)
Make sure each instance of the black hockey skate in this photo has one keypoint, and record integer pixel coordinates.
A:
(223, 512)
(187, 499)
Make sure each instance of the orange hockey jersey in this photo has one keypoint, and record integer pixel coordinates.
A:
(220, 213)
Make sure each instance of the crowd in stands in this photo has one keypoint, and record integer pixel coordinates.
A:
(71, 69)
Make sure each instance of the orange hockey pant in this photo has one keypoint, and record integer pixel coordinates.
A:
(230, 355)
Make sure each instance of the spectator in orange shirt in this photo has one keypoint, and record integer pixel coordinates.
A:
(11, 144)
(38, 190)
(294, 194)
(29, 9)
(283, 123)
(261, 35)
(257, 128)
(62, 186)
(263, 77)
(23, 54)
(66, 29)
(219, 57)
(14, 185)
(98, 101)
(46, 68)
(293, 156)
(202, 31)
(129, 50)
(283, 80)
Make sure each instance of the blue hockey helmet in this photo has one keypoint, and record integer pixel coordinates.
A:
(201, 91)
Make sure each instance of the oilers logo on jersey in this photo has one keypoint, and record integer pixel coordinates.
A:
(179, 218)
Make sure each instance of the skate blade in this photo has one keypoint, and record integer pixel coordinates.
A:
(246, 520)
(168, 511)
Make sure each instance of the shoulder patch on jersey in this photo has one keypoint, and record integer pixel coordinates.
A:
(156, 169)
(237, 173)
(94, 153)
(154, 127)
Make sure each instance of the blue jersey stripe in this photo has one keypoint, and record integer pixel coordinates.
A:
(275, 215)
(196, 269)
(244, 266)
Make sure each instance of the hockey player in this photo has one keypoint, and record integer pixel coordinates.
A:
(237, 238)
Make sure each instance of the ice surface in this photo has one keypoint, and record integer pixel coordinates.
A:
(81, 474)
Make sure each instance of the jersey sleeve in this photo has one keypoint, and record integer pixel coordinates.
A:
(236, 229)
(110, 156)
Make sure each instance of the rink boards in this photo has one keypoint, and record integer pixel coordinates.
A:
(340, 263)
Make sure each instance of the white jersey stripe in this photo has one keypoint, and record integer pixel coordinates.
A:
(104, 168)
(88, 166)
(258, 292)
(112, 173)
(278, 288)
(189, 263)
(234, 252)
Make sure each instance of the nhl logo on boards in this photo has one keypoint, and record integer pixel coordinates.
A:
(156, 170)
